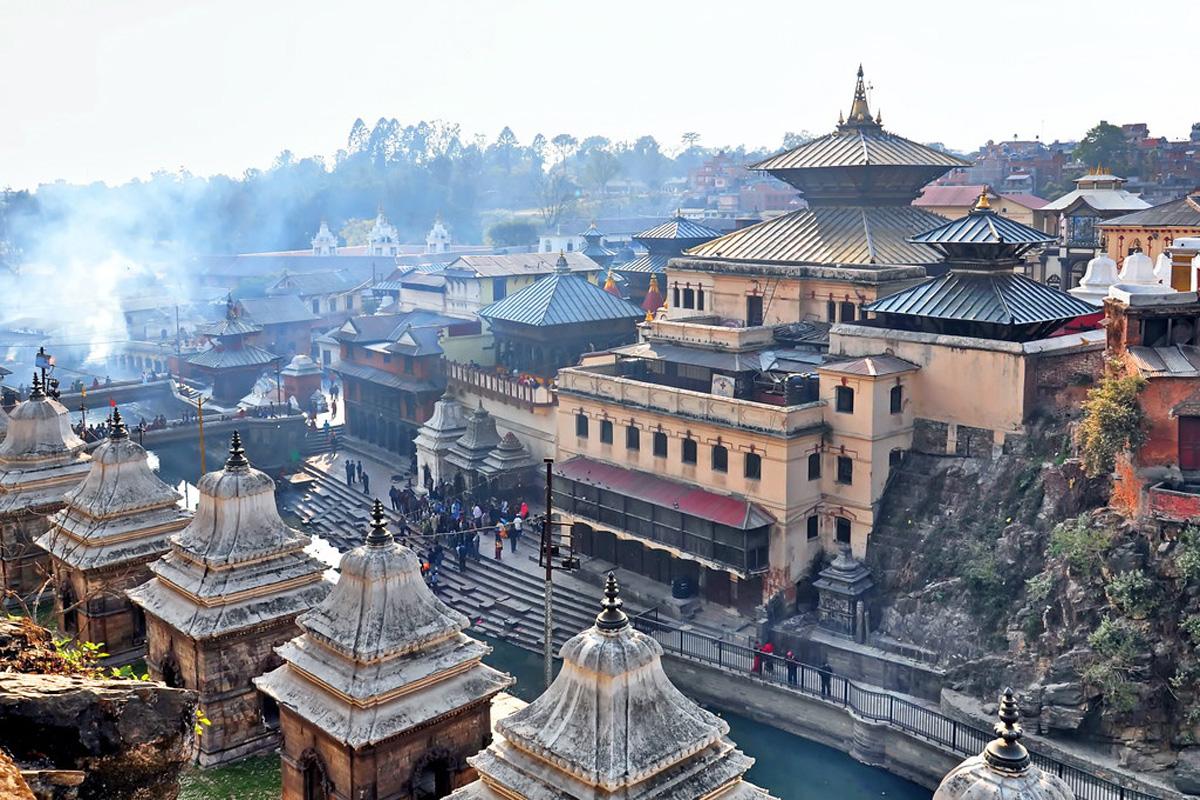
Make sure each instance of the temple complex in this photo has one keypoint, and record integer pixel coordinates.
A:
(467, 455)
(230, 364)
(382, 694)
(611, 725)
(226, 594)
(114, 525)
(1003, 771)
(41, 459)
(594, 247)
(435, 438)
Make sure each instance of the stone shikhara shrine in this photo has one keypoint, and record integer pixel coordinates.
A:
(226, 594)
(382, 694)
(612, 725)
(41, 458)
(115, 523)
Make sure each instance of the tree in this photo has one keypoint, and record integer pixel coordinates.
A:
(690, 139)
(791, 139)
(555, 194)
(504, 150)
(602, 167)
(1113, 421)
(512, 233)
(564, 145)
(1104, 145)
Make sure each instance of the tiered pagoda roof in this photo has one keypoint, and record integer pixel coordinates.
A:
(560, 299)
(228, 348)
(665, 241)
(381, 654)
(611, 725)
(858, 182)
(507, 456)
(471, 449)
(594, 248)
(121, 513)
(981, 295)
(236, 565)
(444, 427)
(40, 456)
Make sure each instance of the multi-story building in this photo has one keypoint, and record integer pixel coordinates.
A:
(1153, 231)
(955, 201)
(328, 293)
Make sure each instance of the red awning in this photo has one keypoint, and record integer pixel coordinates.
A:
(719, 508)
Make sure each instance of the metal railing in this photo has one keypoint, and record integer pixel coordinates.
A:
(915, 720)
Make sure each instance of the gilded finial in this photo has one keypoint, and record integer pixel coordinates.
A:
(983, 204)
(237, 456)
(611, 616)
(379, 535)
(1006, 753)
(860, 112)
(649, 317)
(119, 431)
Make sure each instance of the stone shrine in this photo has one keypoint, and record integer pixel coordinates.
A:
(612, 725)
(223, 598)
(114, 525)
(435, 438)
(841, 591)
(382, 695)
(41, 458)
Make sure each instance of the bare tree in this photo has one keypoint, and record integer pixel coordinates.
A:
(555, 194)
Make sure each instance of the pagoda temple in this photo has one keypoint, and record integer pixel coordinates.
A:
(435, 438)
(551, 322)
(114, 525)
(611, 725)
(662, 242)
(981, 296)
(1003, 771)
(594, 248)
(226, 594)
(230, 364)
(382, 694)
(469, 451)
(41, 459)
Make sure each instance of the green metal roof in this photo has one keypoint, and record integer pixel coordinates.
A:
(560, 299)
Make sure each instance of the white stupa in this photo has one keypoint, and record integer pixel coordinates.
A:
(1162, 269)
(1137, 283)
(1101, 274)
(324, 243)
(438, 240)
(384, 239)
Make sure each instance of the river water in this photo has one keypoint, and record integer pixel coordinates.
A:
(790, 767)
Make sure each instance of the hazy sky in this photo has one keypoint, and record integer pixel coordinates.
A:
(112, 89)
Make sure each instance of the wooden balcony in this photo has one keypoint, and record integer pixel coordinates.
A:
(485, 381)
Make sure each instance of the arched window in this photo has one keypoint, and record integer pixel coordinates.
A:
(689, 297)
(633, 438)
(753, 466)
(844, 400)
(581, 426)
(700, 299)
(314, 777)
(660, 444)
(897, 399)
(689, 450)
(675, 296)
(606, 431)
(720, 458)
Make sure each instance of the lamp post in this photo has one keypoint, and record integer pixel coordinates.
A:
(199, 418)
(546, 554)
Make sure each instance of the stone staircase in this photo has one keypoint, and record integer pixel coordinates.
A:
(317, 442)
(502, 598)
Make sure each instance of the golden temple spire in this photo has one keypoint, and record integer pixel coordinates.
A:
(860, 112)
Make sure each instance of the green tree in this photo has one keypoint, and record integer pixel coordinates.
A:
(1104, 146)
(1113, 421)
(512, 233)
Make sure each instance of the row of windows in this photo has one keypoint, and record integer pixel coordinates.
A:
(848, 311)
(687, 297)
(845, 468)
(843, 399)
(689, 450)
(841, 528)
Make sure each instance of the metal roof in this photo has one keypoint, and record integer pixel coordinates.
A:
(277, 310)
(982, 226)
(835, 235)
(647, 263)
(417, 342)
(1178, 361)
(246, 356)
(872, 366)
(235, 326)
(1000, 298)
(734, 512)
(859, 147)
(304, 284)
(389, 327)
(496, 266)
(1098, 200)
(967, 194)
(1184, 212)
(754, 361)
(382, 378)
(560, 299)
(678, 227)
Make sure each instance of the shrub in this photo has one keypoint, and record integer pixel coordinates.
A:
(1080, 544)
(1117, 643)
(1113, 421)
(1187, 555)
(1117, 639)
(1191, 626)
(1037, 588)
(1133, 593)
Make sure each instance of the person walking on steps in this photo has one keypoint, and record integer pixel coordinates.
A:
(461, 550)
(499, 545)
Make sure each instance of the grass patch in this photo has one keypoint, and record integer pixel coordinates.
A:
(255, 778)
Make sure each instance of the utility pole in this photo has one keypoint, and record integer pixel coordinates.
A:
(546, 555)
(200, 419)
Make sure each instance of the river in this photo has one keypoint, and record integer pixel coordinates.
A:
(790, 767)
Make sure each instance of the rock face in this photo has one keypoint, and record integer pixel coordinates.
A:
(1187, 771)
(129, 739)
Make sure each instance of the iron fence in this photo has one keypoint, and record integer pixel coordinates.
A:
(958, 737)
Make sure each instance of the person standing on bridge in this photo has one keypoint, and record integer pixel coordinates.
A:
(768, 651)
(792, 664)
(826, 673)
(756, 663)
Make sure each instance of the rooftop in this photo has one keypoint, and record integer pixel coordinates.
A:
(560, 299)
(1181, 213)
(495, 266)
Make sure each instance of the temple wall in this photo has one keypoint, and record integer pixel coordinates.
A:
(105, 615)
(24, 566)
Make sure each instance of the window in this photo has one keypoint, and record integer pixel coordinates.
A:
(675, 297)
(689, 298)
(499, 289)
(606, 431)
(581, 426)
(333, 304)
(845, 469)
(814, 527)
(753, 466)
(660, 444)
(831, 311)
(408, 365)
(689, 451)
(387, 358)
(316, 306)
(754, 310)
(720, 458)
(844, 400)
(847, 312)
(633, 438)
(699, 300)
(897, 399)
(843, 530)
(814, 466)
